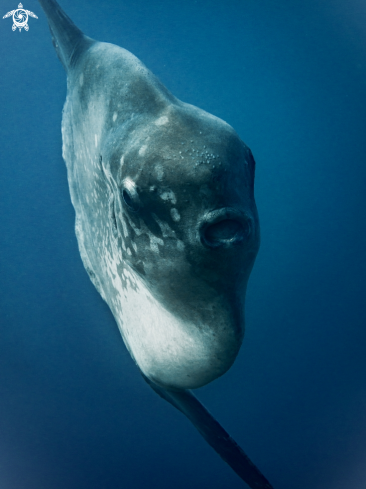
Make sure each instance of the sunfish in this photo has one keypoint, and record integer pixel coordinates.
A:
(166, 221)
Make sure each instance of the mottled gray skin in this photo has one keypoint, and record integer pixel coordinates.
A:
(165, 214)
(147, 175)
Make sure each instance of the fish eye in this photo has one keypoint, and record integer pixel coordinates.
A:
(130, 195)
(128, 200)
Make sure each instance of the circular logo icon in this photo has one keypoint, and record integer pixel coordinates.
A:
(20, 19)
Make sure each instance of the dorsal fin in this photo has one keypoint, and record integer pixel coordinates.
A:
(69, 41)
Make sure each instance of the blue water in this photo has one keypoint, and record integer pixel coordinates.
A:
(290, 76)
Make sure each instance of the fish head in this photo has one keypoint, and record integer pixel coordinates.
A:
(186, 224)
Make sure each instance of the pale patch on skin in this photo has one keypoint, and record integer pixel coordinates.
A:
(154, 241)
(175, 214)
(166, 230)
(159, 172)
(162, 121)
(131, 223)
(180, 245)
(115, 117)
(125, 232)
(122, 161)
(164, 333)
(96, 140)
(142, 150)
(129, 183)
(81, 80)
(168, 195)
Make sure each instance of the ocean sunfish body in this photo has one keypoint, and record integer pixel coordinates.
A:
(166, 221)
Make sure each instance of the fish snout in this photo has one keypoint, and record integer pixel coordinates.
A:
(224, 228)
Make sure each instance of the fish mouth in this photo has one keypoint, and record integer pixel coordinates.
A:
(223, 228)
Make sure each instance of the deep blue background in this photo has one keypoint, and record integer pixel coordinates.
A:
(290, 76)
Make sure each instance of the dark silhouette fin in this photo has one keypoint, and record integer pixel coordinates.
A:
(69, 41)
(214, 434)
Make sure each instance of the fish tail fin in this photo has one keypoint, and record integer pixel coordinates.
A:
(214, 434)
(69, 41)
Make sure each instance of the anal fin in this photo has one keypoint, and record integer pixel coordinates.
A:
(214, 434)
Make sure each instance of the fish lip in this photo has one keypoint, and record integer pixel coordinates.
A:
(244, 223)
